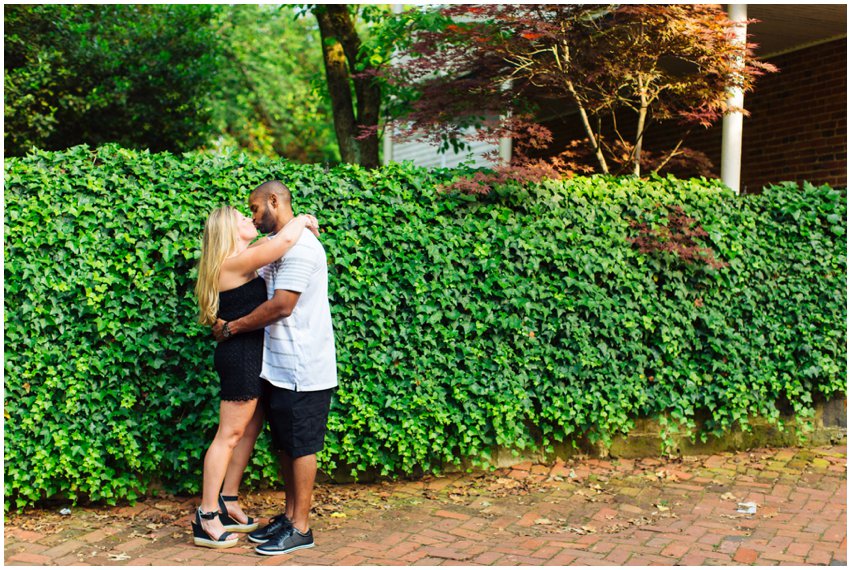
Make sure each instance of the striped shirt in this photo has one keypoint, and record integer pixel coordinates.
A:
(298, 351)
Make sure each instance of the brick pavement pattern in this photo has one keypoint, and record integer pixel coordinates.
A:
(582, 511)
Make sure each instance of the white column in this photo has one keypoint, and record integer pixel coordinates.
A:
(505, 142)
(504, 151)
(731, 136)
(388, 145)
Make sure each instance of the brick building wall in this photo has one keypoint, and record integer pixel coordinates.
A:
(796, 129)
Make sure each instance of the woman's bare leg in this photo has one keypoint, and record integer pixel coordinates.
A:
(234, 417)
(239, 461)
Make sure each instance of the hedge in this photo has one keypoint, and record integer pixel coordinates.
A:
(519, 319)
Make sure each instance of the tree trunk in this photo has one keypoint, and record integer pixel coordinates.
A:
(598, 152)
(639, 134)
(595, 144)
(340, 47)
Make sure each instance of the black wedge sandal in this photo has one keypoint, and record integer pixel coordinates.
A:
(231, 523)
(201, 538)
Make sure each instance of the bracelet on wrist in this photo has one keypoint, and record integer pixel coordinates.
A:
(226, 330)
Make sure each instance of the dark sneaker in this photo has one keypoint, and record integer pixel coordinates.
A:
(288, 540)
(276, 525)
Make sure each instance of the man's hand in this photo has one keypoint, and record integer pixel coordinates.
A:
(217, 330)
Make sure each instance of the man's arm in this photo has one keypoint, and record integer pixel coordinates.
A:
(280, 306)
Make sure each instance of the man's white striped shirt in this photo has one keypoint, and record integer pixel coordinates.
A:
(298, 351)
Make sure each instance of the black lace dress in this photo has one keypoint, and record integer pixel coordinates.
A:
(238, 360)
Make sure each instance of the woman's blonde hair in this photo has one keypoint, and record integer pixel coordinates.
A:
(220, 241)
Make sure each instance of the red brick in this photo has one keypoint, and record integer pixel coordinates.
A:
(131, 544)
(745, 556)
(562, 559)
(533, 543)
(618, 556)
(64, 548)
(605, 514)
(440, 552)
(561, 544)
(835, 533)
(373, 536)
(414, 556)
(30, 558)
(693, 559)
(428, 561)
(97, 535)
(675, 550)
(452, 515)
(132, 511)
(487, 558)
(402, 549)
(546, 552)
(439, 484)
(509, 549)
(604, 547)
(773, 555)
(371, 546)
(423, 538)
(820, 557)
(22, 534)
(529, 519)
(273, 560)
(516, 559)
(66, 560)
(462, 532)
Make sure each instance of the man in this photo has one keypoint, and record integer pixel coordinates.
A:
(299, 365)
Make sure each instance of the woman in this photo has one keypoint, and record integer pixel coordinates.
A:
(228, 287)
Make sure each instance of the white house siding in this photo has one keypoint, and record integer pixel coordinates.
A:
(424, 154)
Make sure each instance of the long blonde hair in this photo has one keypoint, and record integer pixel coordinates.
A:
(220, 241)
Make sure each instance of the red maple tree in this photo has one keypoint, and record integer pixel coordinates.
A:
(494, 67)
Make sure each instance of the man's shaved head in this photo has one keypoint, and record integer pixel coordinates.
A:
(271, 206)
(275, 187)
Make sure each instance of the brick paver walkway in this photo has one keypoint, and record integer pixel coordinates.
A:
(579, 512)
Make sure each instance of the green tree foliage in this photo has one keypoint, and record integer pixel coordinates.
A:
(271, 98)
(138, 75)
(523, 318)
